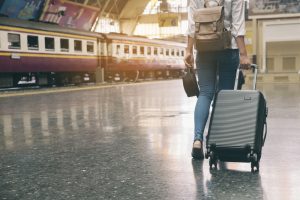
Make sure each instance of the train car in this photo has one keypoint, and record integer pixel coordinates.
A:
(46, 53)
(140, 57)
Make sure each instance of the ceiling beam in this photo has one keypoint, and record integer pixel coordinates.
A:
(100, 15)
(130, 15)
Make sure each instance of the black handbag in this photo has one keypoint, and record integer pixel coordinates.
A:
(190, 84)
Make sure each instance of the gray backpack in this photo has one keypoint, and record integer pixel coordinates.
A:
(210, 31)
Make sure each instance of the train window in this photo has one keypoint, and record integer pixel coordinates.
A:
(167, 52)
(177, 53)
(172, 52)
(64, 44)
(14, 41)
(182, 53)
(49, 44)
(142, 50)
(32, 42)
(90, 47)
(161, 51)
(134, 50)
(155, 51)
(148, 50)
(77, 45)
(126, 49)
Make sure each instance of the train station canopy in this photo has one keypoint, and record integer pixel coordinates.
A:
(80, 14)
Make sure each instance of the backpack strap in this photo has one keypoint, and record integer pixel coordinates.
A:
(219, 2)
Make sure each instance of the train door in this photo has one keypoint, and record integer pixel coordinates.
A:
(101, 63)
(106, 49)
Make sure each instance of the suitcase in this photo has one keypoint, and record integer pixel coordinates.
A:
(238, 127)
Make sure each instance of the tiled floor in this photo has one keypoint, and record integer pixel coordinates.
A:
(134, 142)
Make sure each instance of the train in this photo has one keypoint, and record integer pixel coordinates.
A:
(47, 54)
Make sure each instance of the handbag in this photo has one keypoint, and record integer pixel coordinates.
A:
(190, 84)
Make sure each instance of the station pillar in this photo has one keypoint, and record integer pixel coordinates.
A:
(99, 75)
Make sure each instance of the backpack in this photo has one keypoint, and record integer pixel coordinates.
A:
(210, 31)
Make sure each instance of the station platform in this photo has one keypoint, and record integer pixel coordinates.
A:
(134, 142)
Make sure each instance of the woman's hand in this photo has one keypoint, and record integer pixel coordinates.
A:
(189, 59)
(245, 62)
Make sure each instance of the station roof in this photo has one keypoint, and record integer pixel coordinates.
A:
(80, 14)
(109, 6)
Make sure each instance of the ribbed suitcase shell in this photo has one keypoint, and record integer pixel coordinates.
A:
(237, 124)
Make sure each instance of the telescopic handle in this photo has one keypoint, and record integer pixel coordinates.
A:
(254, 68)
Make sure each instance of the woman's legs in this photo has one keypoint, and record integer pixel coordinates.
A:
(206, 69)
(226, 62)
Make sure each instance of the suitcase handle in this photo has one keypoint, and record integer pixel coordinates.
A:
(265, 135)
(265, 126)
(254, 68)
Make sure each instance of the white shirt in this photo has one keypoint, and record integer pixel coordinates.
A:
(234, 18)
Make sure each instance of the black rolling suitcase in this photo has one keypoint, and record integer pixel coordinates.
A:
(238, 127)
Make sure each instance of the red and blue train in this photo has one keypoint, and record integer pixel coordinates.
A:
(47, 54)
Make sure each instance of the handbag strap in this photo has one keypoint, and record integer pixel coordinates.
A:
(189, 70)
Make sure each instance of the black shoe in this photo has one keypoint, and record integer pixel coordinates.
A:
(197, 153)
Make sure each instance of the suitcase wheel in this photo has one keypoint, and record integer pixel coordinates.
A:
(206, 155)
(212, 164)
(254, 159)
(253, 166)
(212, 160)
(254, 163)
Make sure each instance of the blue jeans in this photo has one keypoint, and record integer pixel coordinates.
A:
(216, 71)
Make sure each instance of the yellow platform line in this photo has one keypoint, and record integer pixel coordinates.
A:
(82, 88)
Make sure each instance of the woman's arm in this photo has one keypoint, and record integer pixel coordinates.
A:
(238, 30)
(244, 59)
(189, 57)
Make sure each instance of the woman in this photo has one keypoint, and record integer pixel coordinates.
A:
(210, 65)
